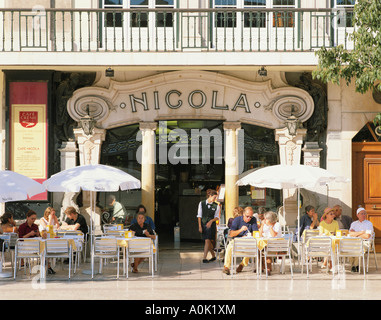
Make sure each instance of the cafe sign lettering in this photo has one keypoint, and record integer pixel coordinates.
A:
(197, 99)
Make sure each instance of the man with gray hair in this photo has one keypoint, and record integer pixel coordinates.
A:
(363, 229)
(119, 211)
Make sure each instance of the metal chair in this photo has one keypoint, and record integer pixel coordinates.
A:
(278, 248)
(104, 248)
(6, 237)
(306, 236)
(245, 248)
(371, 248)
(58, 248)
(79, 246)
(351, 248)
(27, 249)
(319, 247)
(141, 248)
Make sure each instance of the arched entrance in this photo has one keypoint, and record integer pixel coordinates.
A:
(189, 160)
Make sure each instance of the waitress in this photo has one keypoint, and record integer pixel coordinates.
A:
(208, 214)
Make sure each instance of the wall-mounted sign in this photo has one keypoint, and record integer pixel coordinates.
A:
(28, 131)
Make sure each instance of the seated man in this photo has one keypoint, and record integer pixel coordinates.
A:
(240, 227)
(148, 220)
(74, 221)
(343, 220)
(362, 228)
(119, 212)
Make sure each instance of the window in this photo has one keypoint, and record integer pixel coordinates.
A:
(113, 19)
(255, 19)
(345, 19)
(226, 19)
(283, 19)
(164, 19)
(139, 19)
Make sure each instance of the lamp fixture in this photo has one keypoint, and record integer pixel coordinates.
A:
(262, 72)
(292, 123)
(87, 122)
(109, 72)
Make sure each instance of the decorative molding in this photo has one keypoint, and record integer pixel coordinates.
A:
(191, 95)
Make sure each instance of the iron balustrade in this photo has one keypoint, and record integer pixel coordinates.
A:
(178, 30)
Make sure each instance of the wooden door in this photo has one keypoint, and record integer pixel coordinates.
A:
(366, 183)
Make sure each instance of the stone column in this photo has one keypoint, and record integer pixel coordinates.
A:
(231, 129)
(148, 166)
(68, 160)
(2, 127)
(290, 150)
(89, 153)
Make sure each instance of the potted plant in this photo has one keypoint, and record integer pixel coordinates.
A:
(377, 124)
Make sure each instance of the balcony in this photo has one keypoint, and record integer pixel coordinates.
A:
(173, 30)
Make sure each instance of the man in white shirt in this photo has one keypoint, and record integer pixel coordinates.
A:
(362, 228)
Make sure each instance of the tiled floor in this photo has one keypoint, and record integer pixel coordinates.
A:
(181, 275)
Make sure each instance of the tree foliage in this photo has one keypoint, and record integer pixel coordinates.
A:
(363, 63)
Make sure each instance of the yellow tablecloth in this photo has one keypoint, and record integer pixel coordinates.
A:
(262, 242)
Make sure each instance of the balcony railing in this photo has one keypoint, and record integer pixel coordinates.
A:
(177, 30)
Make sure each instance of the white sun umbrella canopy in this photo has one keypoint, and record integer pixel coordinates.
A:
(288, 176)
(91, 178)
(17, 187)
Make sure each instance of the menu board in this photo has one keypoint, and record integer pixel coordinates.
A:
(28, 130)
(29, 140)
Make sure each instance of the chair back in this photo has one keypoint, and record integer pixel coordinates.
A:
(140, 246)
(28, 246)
(115, 233)
(78, 239)
(105, 245)
(108, 227)
(278, 246)
(308, 233)
(245, 247)
(351, 247)
(319, 246)
(14, 238)
(7, 239)
(57, 245)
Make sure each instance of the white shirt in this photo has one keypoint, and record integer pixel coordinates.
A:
(366, 225)
(199, 212)
(266, 230)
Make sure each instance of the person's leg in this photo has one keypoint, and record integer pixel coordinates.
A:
(207, 245)
(228, 257)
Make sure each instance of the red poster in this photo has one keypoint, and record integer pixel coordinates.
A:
(28, 132)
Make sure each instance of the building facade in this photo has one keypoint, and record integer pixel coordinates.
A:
(186, 95)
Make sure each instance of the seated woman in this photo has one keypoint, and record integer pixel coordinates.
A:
(270, 228)
(141, 229)
(49, 219)
(29, 229)
(328, 226)
(7, 223)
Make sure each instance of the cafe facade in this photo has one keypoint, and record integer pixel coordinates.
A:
(184, 98)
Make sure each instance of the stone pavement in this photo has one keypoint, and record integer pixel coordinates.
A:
(181, 275)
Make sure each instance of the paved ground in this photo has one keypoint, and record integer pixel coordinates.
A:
(181, 275)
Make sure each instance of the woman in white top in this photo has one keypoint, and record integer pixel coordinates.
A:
(270, 228)
(49, 219)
